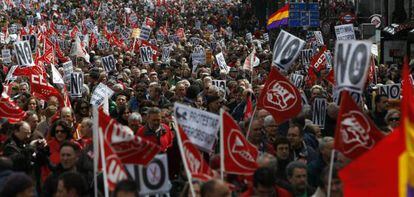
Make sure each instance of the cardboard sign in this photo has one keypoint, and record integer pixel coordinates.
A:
(393, 91)
(357, 96)
(145, 32)
(319, 112)
(146, 55)
(286, 49)
(351, 66)
(165, 57)
(153, 178)
(345, 32)
(135, 33)
(23, 53)
(198, 56)
(109, 63)
(222, 62)
(101, 93)
(76, 84)
(200, 126)
(6, 56)
(297, 80)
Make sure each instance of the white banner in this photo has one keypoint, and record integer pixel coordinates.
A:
(319, 112)
(101, 93)
(200, 126)
(222, 62)
(146, 55)
(109, 63)
(393, 91)
(152, 179)
(345, 32)
(351, 65)
(286, 49)
(76, 84)
(23, 53)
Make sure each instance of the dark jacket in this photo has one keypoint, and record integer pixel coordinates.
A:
(20, 153)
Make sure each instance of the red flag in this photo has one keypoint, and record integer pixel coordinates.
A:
(279, 97)
(114, 170)
(248, 111)
(74, 31)
(130, 149)
(9, 109)
(318, 61)
(149, 22)
(238, 155)
(48, 45)
(375, 173)
(330, 78)
(42, 89)
(355, 132)
(195, 162)
(60, 55)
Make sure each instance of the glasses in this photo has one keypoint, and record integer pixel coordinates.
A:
(394, 119)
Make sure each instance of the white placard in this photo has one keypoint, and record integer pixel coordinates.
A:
(345, 32)
(351, 65)
(200, 126)
(101, 93)
(199, 55)
(76, 84)
(319, 112)
(319, 38)
(165, 57)
(145, 32)
(23, 53)
(109, 63)
(32, 40)
(222, 62)
(286, 49)
(153, 178)
(297, 80)
(146, 55)
(6, 56)
(220, 84)
(393, 91)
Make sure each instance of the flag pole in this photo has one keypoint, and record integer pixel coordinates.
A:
(105, 175)
(180, 145)
(330, 172)
(250, 123)
(95, 148)
(221, 145)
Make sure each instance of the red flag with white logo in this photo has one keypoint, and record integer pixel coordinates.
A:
(318, 61)
(112, 165)
(280, 97)
(195, 163)
(129, 148)
(9, 109)
(355, 132)
(238, 156)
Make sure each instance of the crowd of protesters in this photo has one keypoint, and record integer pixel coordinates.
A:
(50, 152)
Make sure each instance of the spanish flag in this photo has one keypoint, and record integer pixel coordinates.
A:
(388, 168)
(406, 160)
(279, 18)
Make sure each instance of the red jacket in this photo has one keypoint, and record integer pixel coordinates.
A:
(164, 140)
(280, 192)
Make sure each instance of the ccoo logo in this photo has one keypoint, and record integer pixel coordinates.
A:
(280, 96)
(355, 130)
